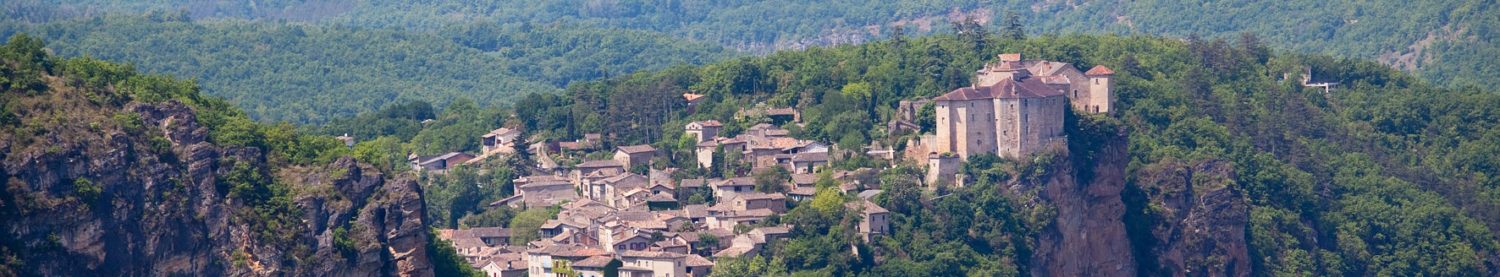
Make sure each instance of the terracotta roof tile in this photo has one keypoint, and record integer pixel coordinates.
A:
(1099, 70)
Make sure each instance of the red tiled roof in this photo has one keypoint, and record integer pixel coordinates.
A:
(1099, 70)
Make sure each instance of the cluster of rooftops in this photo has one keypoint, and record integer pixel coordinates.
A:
(625, 214)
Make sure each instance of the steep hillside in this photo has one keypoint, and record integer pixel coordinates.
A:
(112, 172)
(1436, 39)
(309, 74)
(1361, 179)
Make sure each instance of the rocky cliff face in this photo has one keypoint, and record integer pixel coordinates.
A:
(1087, 237)
(143, 192)
(1198, 225)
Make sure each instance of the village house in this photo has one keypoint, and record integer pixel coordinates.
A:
(589, 141)
(875, 221)
(346, 139)
(745, 201)
(502, 140)
(692, 100)
(704, 130)
(600, 168)
(549, 260)
(438, 164)
(510, 265)
(488, 236)
(726, 188)
(635, 155)
(808, 162)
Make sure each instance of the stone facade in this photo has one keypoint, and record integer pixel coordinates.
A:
(1016, 107)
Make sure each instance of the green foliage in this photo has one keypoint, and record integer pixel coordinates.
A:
(25, 62)
(492, 217)
(526, 225)
(296, 73)
(342, 242)
(772, 179)
(445, 258)
(86, 190)
(462, 191)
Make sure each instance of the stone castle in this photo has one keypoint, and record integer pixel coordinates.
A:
(1016, 106)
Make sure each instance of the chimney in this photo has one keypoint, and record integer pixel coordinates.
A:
(1010, 57)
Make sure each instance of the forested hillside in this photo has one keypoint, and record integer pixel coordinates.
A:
(1368, 179)
(111, 171)
(305, 73)
(1433, 38)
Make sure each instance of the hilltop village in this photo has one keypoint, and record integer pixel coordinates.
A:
(626, 213)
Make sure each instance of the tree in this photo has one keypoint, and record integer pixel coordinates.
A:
(526, 225)
(1013, 29)
(772, 179)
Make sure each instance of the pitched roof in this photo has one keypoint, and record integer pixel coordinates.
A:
(600, 164)
(637, 149)
(867, 206)
(781, 111)
(810, 157)
(449, 155)
(1099, 70)
(698, 261)
(736, 181)
(652, 254)
(1008, 88)
(661, 197)
(691, 97)
(595, 262)
(694, 182)
(489, 232)
(804, 178)
(707, 123)
(502, 132)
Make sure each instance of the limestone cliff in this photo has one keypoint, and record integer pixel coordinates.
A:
(1198, 221)
(137, 189)
(1087, 237)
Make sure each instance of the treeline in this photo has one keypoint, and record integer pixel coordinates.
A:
(1436, 39)
(310, 74)
(1369, 178)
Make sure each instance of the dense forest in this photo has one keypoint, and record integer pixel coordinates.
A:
(1361, 180)
(304, 73)
(1370, 178)
(1432, 38)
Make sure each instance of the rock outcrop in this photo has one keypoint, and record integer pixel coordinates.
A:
(144, 192)
(1199, 227)
(1087, 237)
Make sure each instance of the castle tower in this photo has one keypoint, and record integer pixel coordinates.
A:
(1101, 97)
(941, 169)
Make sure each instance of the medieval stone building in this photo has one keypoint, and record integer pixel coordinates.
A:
(1016, 107)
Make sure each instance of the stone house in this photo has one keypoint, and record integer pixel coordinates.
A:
(439, 163)
(726, 188)
(500, 140)
(596, 168)
(705, 130)
(876, 221)
(634, 155)
(745, 201)
(808, 162)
